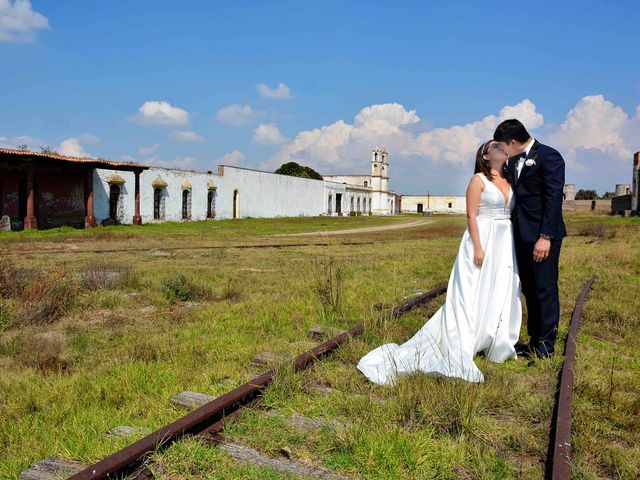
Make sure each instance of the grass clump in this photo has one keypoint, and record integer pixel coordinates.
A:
(599, 230)
(178, 288)
(100, 276)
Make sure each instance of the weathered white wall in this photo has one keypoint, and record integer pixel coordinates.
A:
(264, 194)
(436, 203)
(260, 194)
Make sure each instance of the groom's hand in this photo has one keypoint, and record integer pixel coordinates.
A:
(541, 249)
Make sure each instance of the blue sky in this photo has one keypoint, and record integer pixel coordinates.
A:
(429, 80)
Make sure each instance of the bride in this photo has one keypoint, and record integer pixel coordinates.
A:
(482, 311)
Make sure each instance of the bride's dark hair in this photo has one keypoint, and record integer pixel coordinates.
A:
(483, 166)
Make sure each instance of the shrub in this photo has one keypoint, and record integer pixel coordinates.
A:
(177, 287)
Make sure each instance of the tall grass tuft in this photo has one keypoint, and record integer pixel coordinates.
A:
(43, 352)
(46, 298)
(328, 284)
(9, 284)
(230, 291)
(450, 407)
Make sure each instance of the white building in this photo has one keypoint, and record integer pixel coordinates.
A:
(236, 192)
(437, 204)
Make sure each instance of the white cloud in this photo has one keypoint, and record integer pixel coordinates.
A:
(281, 92)
(345, 146)
(18, 22)
(238, 115)
(150, 150)
(596, 124)
(235, 157)
(32, 143)
(457, 144)
(72, 147)
(268, 134)
(89, 138)
(185, 136)
(160, 113)
(183, 163)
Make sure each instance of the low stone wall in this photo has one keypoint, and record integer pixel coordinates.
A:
(603, 206)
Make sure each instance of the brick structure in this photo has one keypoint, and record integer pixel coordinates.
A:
(44, 190)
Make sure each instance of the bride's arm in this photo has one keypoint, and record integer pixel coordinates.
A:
(474, 190)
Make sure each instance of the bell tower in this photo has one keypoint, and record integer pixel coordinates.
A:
(380, 181)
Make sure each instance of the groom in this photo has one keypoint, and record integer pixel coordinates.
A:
(536, 172)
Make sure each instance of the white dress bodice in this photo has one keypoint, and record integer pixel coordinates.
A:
(492, 201)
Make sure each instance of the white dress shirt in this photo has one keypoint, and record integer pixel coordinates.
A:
(526, 151)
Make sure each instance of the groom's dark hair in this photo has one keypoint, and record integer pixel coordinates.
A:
(511, 129)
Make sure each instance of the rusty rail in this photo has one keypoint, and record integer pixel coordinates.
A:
(561, 426)
(209, 418)
(206, 247)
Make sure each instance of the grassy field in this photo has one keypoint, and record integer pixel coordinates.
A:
(91, 341)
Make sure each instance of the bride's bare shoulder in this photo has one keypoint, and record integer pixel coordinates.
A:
(476, 181)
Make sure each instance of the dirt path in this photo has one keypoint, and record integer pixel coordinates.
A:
(416, 223)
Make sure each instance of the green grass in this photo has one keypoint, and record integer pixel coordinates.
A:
(120, 353)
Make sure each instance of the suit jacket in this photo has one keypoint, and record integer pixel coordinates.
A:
(538, 193)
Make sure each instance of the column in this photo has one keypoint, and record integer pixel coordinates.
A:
(89, 219)
(137, 219)
(30, 221)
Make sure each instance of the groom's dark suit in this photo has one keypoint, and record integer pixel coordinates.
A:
(538, 210)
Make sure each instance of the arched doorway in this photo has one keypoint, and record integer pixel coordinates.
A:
(236, 206)
(157, 202)
(211, 203)
(186, 204)
(114, 198)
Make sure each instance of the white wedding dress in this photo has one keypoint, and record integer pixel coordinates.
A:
(482, 311)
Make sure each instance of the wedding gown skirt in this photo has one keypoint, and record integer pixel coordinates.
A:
(482, 311)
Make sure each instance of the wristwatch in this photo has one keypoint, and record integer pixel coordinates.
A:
(546, 237)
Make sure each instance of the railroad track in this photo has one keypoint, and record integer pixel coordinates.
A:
(209, 420)
(559, 463)
(160, 249)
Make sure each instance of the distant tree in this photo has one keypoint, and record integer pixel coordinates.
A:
(23, 148)
(607, 196)
(586, 194)
(46, 149)
(296, 170)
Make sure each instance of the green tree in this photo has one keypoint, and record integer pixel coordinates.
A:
(586, 195)
(606, 196)
(296, 170)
